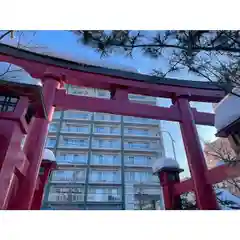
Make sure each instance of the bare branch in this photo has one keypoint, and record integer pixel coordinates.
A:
(5, 34)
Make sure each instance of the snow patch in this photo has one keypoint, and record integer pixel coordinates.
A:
(48, 155)
(103, 62)
(161, 163)
(227, 110)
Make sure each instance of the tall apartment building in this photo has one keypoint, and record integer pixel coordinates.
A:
(104, 160)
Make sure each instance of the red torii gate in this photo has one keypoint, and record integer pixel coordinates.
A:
(54, 72)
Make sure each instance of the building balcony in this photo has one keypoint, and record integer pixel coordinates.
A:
(70, 146)
(106, 130)
(103, 117)
(152, 181)
(148, 146)
(71, 161)
(106, 163)
(71, 115)
(52, 129)
(68, 176)
(106, 145)
(140, 178)
(73, 143)
(138, 165)
(103, 198)
(147, 135)
(141, 149)
(106, 178)
(104, 183)
(50, 145)
(142, 121)
(57, 115)
(139, 161)
(67, 180)
(105, 159)
(65, 197)
(75, 130)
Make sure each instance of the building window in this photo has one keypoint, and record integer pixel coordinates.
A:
(51, 142)
(138, 145)
(130, 145)
(101, 143)
(138, 176)
(57, 114)
(62, 175)
(105, 159)
(115, 117)
(114, 130)
(110, 143)
(75, 142)
(78, 115)
(105, 176)
(76, 128)
(131, 159)
(72, 158)
(100, 116)
(130, 130)
(100, 129)
(104, 194)
(101, 158)
(53, 127)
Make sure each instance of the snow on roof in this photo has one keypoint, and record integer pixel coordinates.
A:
(165, 162)
(13, 73)
(227, 110)
(103, 62)
(48, 155)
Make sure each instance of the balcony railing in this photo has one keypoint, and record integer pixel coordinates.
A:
(128, 119)
(71, 160)
(57, 115)
(136, 133)
(74, 145)
(68, 176)
(75, 130)
(65, 197)
(107, 131)
(53, 128)
(107, 117)
(106, 162)
(138, 163)
(77, 116)
(141, 147)
(68, 179)
(50, 145)
(92, 197)
(105, 179)
(106, 145)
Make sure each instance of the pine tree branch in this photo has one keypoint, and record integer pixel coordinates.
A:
(5, 34)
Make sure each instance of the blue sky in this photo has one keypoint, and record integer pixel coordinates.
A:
(64, 43)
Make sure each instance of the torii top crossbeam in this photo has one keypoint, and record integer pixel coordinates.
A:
(80, 74)
(83, 74)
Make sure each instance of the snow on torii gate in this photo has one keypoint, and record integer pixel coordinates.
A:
(54, 72)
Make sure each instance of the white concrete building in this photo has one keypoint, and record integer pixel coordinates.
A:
(103, 159)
